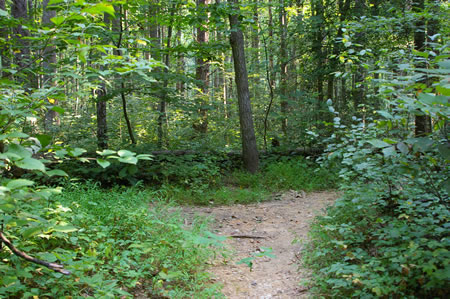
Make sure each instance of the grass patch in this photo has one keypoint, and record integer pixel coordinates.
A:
(243, 187)
(114, 246)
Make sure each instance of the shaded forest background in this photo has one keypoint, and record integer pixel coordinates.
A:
(213, 102)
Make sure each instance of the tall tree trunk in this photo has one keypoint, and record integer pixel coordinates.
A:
(162, 118)
(419, 45)
(102, 124)
(102, 127)
(283, 66)
(118, 27)
(249, 149)
(318, 11)
(49, 62)
(180, 65)
(21, 51)
(343, 9)
(4, 49)
(359, 88)
(202, 69)
(255, 58)
(269, 45)
(432, 29)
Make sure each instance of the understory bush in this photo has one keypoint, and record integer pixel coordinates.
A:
(118, 242)
(387, 237)
(276, 175)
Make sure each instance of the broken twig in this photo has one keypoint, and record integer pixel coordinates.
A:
(246, 237)
(53, 266)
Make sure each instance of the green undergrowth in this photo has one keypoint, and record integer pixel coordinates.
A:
(115, 245)
(276, 175)
(388, 236)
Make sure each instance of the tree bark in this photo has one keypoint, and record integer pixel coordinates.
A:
(283, 66)
(202, 70)
(102, 124)
(318, 11)
(4, 50)
(49, 62)
(359, 88)
(421, 119)
(21, 51)
(249, 150)
(118, 27)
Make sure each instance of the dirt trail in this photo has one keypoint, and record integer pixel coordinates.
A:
(273, 224)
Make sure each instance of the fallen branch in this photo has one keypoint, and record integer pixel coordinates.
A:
(55, 267)
(246, 237)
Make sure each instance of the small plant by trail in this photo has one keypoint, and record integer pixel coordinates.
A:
(262, 252)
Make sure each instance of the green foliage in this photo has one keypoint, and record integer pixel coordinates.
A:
(388, 235)
(115, 245)
(241, 187)
(262, 252)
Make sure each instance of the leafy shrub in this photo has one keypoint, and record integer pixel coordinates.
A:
(388, 236)
(242, 187)
(295, 173)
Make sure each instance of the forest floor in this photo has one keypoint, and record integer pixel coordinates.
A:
(281, 224)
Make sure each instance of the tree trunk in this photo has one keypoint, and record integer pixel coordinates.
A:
(202, 70)
(102, 125)
(102, 128)
(21, 51)
(283, 66)
(118, 27)
(419, 45)
(4, 51)
(249, 150)
(269, 45)
(318, 11)
(162, 118)
(359, 88)
(49, 62)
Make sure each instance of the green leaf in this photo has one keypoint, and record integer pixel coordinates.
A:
(18, 150)
(144, 157)
(431, 99)
(100, 8)
(19, 183)
(389, 151)
(128, 160)
(422, 144)
(125, 153)
(58, 20)
(57, 172)
(17, 135)
(64, 228)
(378, 143)
(76, 152)
(247, 261)
(403, 148)
(106, 152)
(3, 13)
(103, 163)
(385, 114)
(445, 64)
(58, 109)
(44, 139)
(30, 164)
(444, 150)
(31, 231)
(51, 2)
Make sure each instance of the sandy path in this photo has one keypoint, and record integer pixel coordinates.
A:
(278, 223)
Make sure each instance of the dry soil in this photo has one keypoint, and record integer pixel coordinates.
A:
(281, 224)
